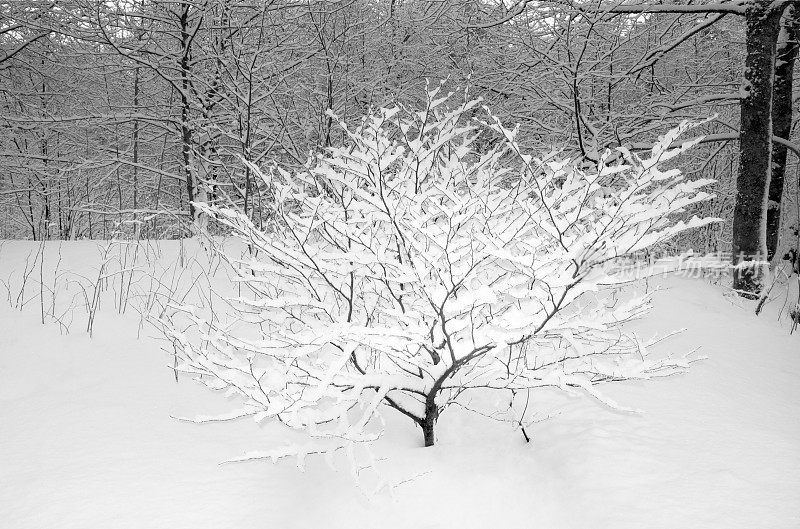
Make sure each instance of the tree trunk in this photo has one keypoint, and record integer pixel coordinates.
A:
(135, 150)
(428, 423)
(752, 183)
(428, 432)
(186, 131)
(781, 120)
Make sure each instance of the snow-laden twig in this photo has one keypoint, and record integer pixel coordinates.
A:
(407, 268)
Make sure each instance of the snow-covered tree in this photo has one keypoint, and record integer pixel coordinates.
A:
(428, 258)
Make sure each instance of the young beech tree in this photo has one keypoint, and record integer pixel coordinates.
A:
(406, 269)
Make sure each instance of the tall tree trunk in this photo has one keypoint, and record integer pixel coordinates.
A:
(136, 228)
(781, 119)
(752, 183)
(187, 149)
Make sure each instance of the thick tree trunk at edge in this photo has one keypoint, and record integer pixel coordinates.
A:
(781, 120)
(752, 183)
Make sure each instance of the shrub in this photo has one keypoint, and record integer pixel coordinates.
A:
(407, 269)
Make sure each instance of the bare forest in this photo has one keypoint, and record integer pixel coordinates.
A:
(116, 116)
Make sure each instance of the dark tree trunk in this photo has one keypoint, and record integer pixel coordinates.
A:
(186, 131)
(781, 120)
(428, 423)
(136, 227)
(752, 183)
(428, 432)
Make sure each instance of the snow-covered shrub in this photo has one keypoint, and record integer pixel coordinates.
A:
(405, 270)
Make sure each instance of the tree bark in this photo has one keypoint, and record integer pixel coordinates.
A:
(752, 183)
(781, 120)
(187, 147)
(428, 423)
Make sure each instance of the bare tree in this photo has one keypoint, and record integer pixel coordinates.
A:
(407, 270)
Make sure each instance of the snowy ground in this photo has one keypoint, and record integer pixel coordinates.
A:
(87, 441)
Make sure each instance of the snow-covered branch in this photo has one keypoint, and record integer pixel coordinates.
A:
(408, 266)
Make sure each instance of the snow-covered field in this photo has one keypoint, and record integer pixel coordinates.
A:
(87, 438)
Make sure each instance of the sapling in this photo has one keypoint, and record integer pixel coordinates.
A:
(406, 269)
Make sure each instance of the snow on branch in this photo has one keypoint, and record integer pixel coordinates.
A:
(736, 7)
(414, 264)
(721, 137)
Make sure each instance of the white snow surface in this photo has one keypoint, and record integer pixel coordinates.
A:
(87, 439)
